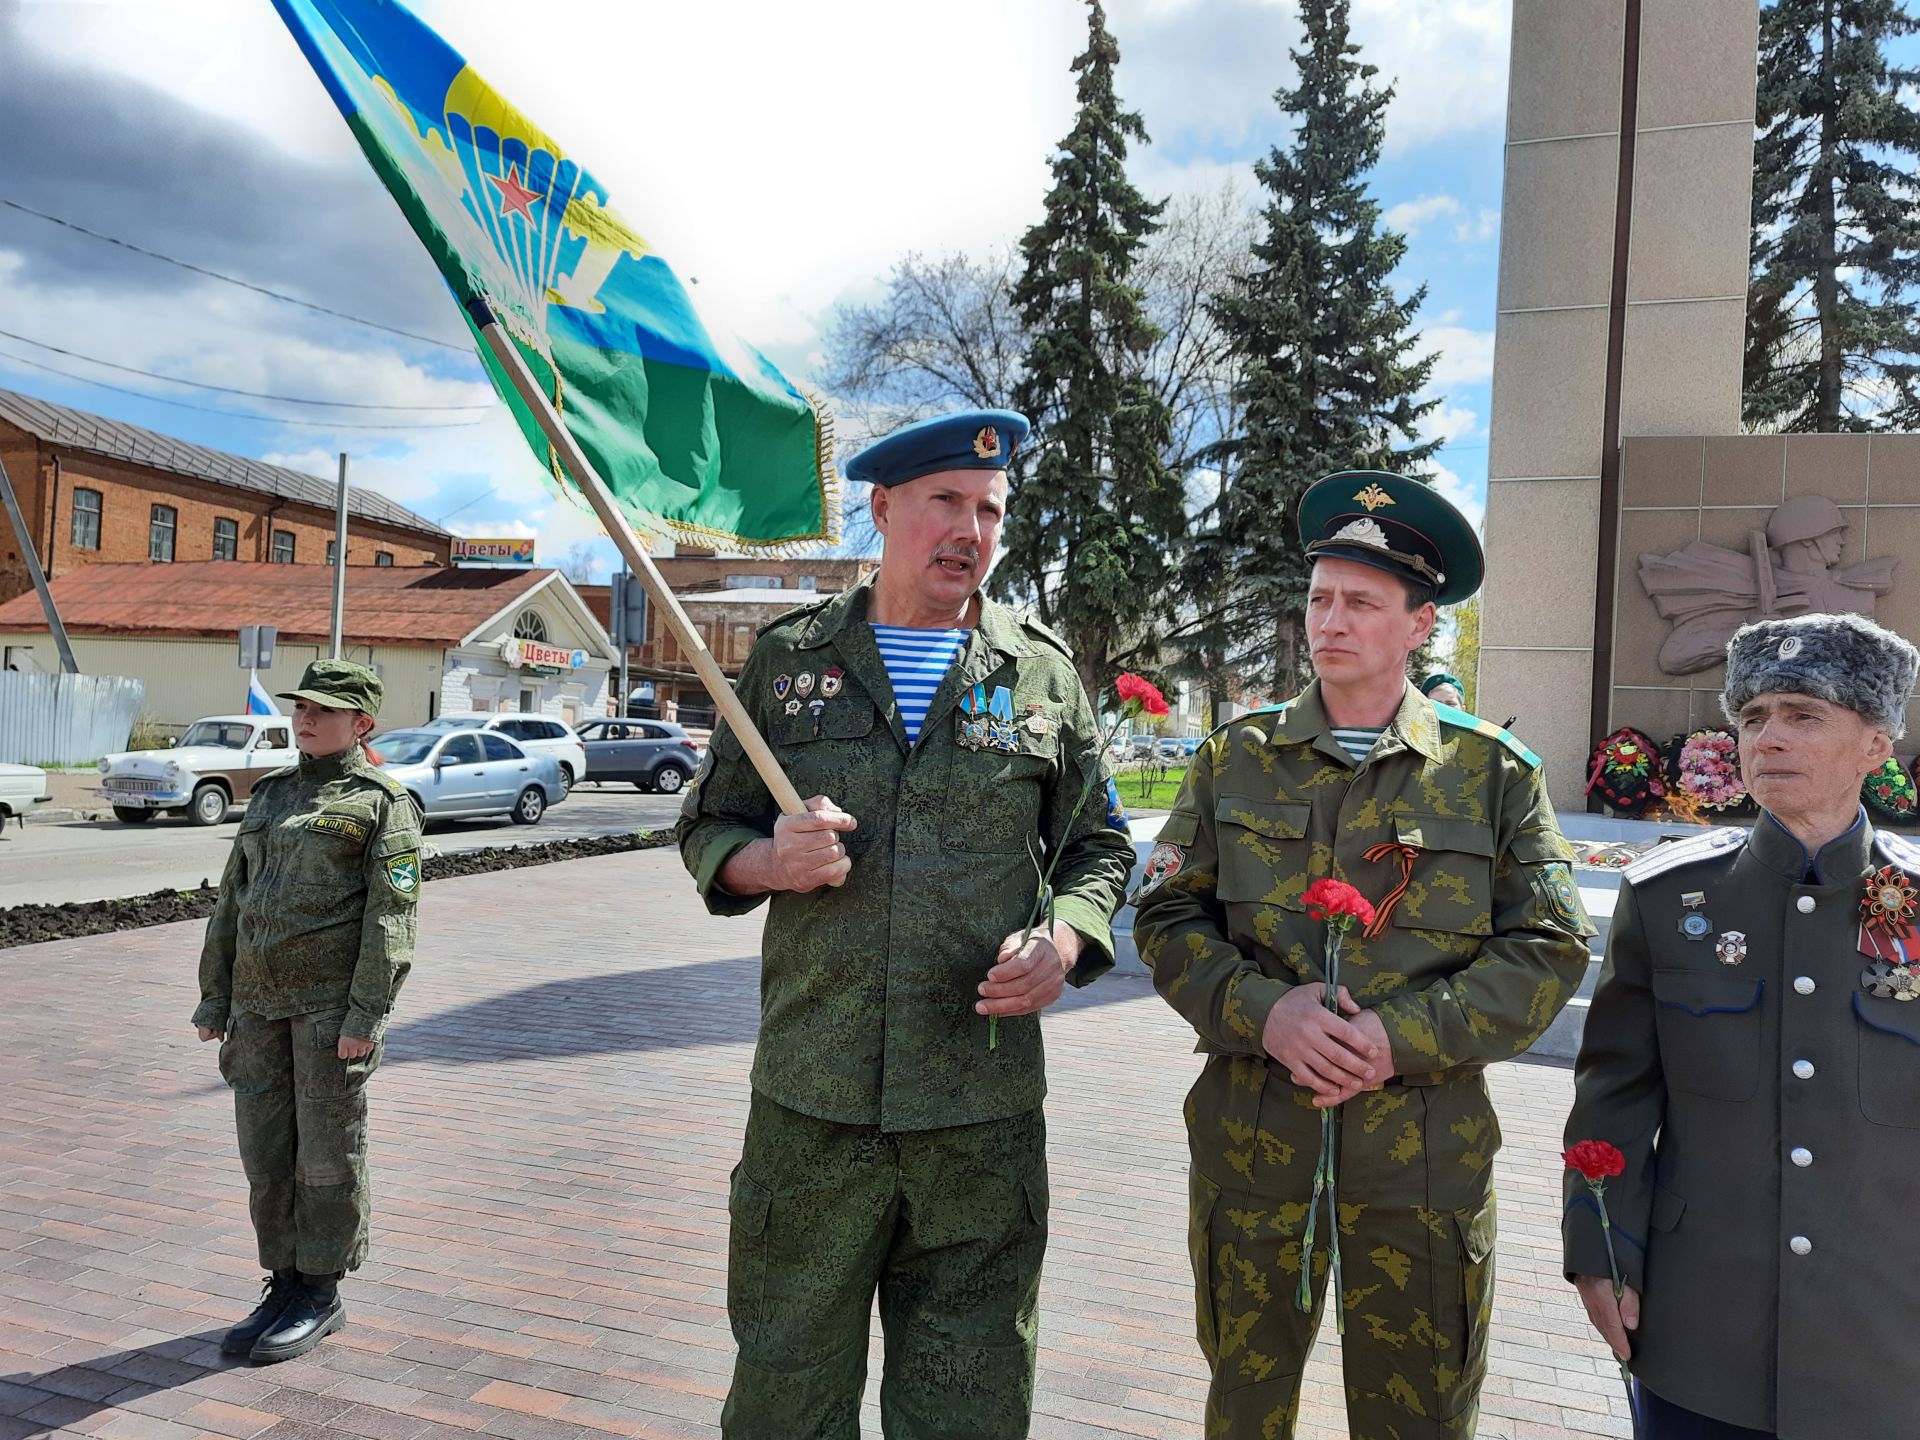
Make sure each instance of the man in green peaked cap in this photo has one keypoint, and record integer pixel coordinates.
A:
(1441, 820)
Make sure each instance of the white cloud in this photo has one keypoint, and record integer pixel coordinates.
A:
(1470, 496)
(1483, 226)
(1409, 215)
(1465, 356)
(1451, 423)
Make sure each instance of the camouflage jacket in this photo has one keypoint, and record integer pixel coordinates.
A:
(867, 990)
(317, 901)
(1483, 948)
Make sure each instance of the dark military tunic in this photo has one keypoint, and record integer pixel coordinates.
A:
(867, 989)
(1768, 1105)
(1483, 948)
(311, 940)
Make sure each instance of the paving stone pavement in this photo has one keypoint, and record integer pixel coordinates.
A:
(561, 1103)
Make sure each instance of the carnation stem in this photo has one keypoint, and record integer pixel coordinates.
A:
(1040, 906)
(1619, 1288)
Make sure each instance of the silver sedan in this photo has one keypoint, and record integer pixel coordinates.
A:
(471, 773)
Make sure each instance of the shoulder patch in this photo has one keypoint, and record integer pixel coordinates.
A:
(799, 612)
(1899, 849)
(1460, 719)
(1723, 841)
(1034, 627)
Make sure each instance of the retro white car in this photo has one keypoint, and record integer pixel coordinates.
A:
(213, 768)
(21, 788)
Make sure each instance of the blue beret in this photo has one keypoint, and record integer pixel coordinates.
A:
(968, 440)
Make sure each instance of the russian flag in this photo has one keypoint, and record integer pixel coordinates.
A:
(258, 701)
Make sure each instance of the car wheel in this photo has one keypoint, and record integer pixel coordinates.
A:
(131, 815)
(531, 805)
(566, 780)
(668, 779)
(208, 806)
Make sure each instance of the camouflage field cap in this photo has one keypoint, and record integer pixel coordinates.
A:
(339, 685)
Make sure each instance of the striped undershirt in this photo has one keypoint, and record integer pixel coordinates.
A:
(1357, 740)
(917, 661)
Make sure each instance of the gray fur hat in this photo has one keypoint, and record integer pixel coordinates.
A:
(1846, 659)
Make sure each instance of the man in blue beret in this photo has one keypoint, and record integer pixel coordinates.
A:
(891, 1143)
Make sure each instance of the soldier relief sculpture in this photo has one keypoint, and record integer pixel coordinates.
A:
(1791, 568)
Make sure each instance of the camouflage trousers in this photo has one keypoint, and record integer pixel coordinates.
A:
(301, 1113)
(1416, 1251)
(949, 1226)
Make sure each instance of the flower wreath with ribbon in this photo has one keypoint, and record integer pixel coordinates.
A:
(1626, 772)
(1890, 791)
(1706, 767)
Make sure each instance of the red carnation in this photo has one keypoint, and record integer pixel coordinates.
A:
(1596, 1160)
(1134, 689)
(1335, 901)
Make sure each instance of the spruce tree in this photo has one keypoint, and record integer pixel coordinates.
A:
(1093, 512)
(1329, 376)
(1833, 342)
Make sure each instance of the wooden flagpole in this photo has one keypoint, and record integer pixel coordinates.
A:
(641, 563)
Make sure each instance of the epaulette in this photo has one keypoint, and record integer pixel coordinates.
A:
(386, 782)
(1027, 622)
(1460, 719)
(278, 774)
(1899, 849)
(796, 613)
(1722, 841)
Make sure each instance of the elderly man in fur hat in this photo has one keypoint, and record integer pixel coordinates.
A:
(1754, 1050)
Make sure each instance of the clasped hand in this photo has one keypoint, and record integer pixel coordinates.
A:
(1335, 1056)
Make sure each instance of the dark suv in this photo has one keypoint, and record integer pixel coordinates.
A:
(653, 754)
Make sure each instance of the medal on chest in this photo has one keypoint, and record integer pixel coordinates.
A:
(1887, 912)
(1694, 924)
(986, 721)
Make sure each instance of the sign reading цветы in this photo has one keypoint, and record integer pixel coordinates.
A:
(492, 552)
(532, 654)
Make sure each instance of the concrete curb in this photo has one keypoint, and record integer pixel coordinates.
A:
(56, 817)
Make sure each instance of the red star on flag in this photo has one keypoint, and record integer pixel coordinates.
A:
(513, 195)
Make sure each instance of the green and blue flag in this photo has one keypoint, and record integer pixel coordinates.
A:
(693, 431)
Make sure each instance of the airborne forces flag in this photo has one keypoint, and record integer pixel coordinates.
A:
(694, 432)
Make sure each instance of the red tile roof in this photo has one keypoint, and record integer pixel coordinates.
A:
(427, 605)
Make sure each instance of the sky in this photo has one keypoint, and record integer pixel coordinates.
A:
(785, 156)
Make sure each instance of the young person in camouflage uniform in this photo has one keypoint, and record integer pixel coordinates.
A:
(304, 955)
(945, 743)
(1442, 821)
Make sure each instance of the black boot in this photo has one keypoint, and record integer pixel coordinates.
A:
(275, 1295)
(316, 1312)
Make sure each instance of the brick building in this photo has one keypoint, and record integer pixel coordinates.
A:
(96, 491)
(442, 638)
(728, 600)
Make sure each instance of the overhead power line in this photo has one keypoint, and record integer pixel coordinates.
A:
(10, 358)
(230, 390)
(232, 279)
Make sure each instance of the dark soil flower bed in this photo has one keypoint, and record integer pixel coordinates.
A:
(30, 924)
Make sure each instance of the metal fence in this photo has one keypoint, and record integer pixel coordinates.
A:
(65, 719)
